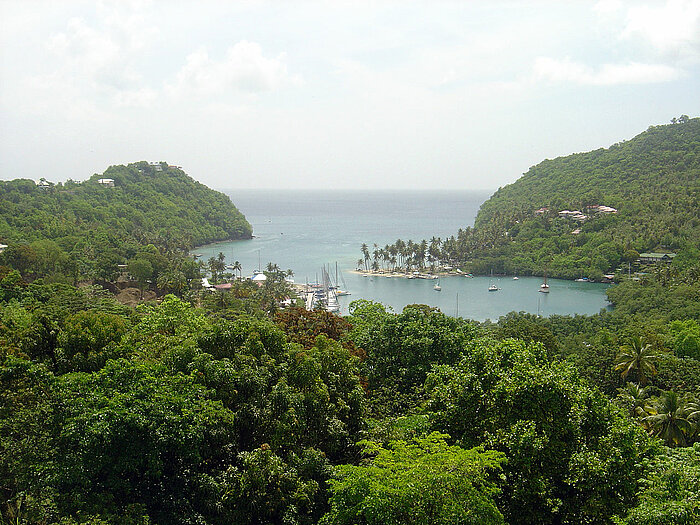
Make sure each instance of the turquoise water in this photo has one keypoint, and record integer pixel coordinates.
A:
(303, 230)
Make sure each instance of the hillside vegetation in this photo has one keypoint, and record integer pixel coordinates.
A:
(225, 405)
(653, 181)
(649, 191)
(92, 226)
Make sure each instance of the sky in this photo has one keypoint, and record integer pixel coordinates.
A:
(336, 94)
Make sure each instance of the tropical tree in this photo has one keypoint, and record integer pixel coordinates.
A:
(635, 399)
(173, 281)
(674, 419)
(142, 271)
(637, 358)
(421, 482)
(572, 456)
(216, 265)
(237, 268)
(365, 254)
(671, 488)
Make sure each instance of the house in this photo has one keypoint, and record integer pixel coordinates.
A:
(3, 247)
(599, 208)
(653, 257)
(156, 166)
(109, 183)
(541, 211)
(43, 184)
(575, 215)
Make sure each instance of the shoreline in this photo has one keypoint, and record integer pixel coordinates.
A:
(436, 275)
(191, 253)
(407, 275)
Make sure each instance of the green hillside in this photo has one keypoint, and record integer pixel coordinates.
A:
(81, 223)
(652, 180)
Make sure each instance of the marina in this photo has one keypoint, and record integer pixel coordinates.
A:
(304, 231)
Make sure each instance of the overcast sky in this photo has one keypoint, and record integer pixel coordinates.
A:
(353, 94)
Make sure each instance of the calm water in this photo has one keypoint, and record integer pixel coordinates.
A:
(303, 230)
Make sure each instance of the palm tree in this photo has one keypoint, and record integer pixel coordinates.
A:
(213, 265)
(673, 419)
(365, 253)
(638, 358)
(236, 267)
(635, 399)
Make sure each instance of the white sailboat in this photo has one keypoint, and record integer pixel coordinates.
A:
(332, 304)
(338, 290)
(544, 287)
(323, 295)
(437, 286)
(493, 287)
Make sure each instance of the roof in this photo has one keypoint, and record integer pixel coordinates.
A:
(657, 255)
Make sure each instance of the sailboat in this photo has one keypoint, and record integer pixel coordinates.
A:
(544, 287)
(493, 287)
(437, 287)
(328, 293)
(340, 291)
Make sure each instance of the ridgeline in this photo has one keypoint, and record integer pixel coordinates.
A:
(105, 220)
(651, 181)
(583, 215)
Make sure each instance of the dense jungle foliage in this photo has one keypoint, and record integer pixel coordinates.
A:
(230, 406)
(652, 180)
(86, 229)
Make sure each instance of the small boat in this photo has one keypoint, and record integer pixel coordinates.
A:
(493, 287)
(544, 287)
(437, 287)
(516, 278)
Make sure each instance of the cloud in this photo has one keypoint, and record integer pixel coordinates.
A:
(137, 98)
(95, 62)
(567, 71)
(244, 69)
(607, 7)
(672, 28)
(83, 50)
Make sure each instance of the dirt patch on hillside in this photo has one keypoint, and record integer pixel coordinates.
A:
(132, 296)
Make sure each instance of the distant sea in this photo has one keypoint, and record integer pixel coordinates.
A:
(302, 230)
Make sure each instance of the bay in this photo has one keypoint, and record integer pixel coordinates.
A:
(302, 230)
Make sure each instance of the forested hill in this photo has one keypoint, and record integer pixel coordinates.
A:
(155, 204)
(652, 180)
(660, 165)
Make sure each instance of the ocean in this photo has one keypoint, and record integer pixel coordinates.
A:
(303, 230)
